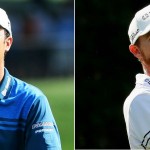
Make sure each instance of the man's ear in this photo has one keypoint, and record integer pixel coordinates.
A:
(8, 43)
(135, 51)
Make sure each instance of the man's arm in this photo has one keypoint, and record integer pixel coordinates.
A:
(41, 130)
(139, 122)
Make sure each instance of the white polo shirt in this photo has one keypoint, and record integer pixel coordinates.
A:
(136, 111)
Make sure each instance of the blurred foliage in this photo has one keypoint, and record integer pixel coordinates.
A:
(105, 71)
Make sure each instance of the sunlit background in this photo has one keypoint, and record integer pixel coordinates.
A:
(43, 54)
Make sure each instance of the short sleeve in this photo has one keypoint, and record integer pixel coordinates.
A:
(139, 122)
(41, 129)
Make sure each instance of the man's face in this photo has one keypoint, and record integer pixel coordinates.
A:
(2, 43)
(5, 43)
(144, 47)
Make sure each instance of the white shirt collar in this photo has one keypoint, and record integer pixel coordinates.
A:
(142, 80)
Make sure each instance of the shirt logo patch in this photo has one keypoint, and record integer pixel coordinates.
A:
(43, 127)
(42, 124)
(146, 141)
(147, 80)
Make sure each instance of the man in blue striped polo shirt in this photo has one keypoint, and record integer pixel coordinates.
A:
(26, 120)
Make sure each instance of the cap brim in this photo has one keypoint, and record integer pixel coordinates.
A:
(147, 29)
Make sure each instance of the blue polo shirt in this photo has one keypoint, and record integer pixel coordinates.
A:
(26, 120)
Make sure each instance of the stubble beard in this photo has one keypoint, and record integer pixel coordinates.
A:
(145, 61)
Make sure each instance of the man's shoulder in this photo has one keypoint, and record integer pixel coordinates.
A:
(23, 87)
(136, 102)
(138, 97)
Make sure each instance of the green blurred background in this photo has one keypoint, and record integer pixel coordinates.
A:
(43, 54)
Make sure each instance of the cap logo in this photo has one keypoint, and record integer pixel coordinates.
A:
(134, 34)
(145, 16)
(140, 24)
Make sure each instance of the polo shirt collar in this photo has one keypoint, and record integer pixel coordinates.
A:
(5, 85)
(142, 80)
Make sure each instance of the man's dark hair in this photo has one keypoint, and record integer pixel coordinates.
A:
(6, 33)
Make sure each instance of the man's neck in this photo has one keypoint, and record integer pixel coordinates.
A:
(146, 70)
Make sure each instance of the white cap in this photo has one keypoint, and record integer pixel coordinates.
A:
(140, 24)
(4, 21)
